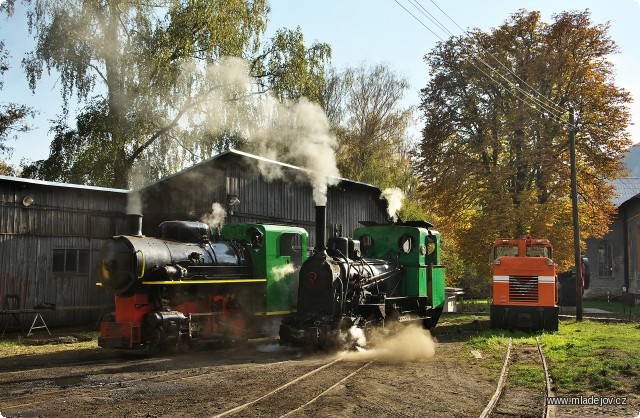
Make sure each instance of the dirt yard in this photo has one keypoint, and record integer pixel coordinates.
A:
(248, 381)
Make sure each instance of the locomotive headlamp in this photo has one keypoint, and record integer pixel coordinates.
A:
(27, 201)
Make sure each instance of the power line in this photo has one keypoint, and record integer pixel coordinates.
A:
(419, 21)
(553, 110)
(550, 102)
(431, 17)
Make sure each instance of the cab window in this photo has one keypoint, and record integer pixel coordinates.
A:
(538, 251)
(505, 251)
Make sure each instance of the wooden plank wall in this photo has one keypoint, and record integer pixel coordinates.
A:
(58, 218)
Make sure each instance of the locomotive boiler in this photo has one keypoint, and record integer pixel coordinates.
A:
(386, 273)
(188, 285)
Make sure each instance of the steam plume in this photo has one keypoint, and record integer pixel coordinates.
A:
(281, 272)
(298, 133)
(294, 132)
(134, 203)
(411, 343)
(226, 105)
(215, 219)
(394, 198)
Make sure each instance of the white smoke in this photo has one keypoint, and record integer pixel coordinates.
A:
(356, 335)
(293, 132)
(215, 219)
(134, 203)
(270, 348)
(228, 103)
(297, 133)
(410, 343)
(280, 272)
(394, 198)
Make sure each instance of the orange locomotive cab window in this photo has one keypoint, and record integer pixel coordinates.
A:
(505, 251)
(538, 251)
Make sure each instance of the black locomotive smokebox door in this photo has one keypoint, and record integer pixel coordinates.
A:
(315, 293)
(116, 266)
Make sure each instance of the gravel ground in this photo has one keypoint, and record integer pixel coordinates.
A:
(412, 377)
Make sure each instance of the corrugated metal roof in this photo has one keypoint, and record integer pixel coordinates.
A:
(56, 184)
(626, 189)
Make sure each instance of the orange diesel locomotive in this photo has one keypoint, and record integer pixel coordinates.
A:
(525, 285)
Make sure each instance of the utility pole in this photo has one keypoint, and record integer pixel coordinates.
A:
(574, 204)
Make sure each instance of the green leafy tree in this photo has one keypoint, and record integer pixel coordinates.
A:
(150, 75)
(494, 160)
(372, 125)
(12, 117)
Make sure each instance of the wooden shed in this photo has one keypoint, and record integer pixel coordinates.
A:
(50, 235)
(615, 257)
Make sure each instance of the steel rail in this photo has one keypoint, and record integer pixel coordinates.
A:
(549, 410)
(276, 390)
(326, 390)
(503, 379)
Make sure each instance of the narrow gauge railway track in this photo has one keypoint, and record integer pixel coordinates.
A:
(278, 402)
(105, 362)
(548, 411)
(44, 394)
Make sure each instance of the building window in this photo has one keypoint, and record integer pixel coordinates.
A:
(605, 259)
(70, 260)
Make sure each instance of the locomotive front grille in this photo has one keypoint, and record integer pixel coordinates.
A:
(523, 289)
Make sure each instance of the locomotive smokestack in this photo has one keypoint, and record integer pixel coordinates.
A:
(134, 224)
(321, 228)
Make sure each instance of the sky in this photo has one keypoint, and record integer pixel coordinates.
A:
(359, 31)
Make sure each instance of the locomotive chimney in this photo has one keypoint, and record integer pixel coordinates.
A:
(134, 224)
(321, 228)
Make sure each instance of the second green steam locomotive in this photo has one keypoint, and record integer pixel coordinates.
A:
(385, 273)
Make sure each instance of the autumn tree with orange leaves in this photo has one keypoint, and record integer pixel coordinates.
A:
(494, 157)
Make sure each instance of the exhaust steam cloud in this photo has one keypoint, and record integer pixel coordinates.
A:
(215, 219)
(281, 272)
(410, 343)
(291, 132)
(394, 198)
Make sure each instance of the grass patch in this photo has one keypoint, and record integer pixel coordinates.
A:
(616, 307)
(594, 356)
(526, 375)
(525, 371)
(449, 319)
(581, 356)
(474, 305)
(15, 344)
